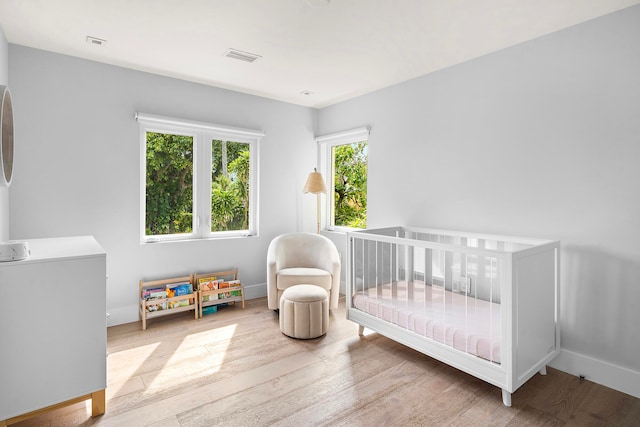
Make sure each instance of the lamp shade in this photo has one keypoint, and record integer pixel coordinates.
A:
(315, 183)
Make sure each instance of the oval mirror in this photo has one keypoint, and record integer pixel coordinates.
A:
(6, 137)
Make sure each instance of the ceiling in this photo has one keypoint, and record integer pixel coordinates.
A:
(334, 49)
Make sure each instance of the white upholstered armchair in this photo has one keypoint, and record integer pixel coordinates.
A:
(302, 258)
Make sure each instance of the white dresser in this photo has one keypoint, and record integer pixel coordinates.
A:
(53, 333)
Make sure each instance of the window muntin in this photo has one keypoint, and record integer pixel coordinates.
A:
(220, 200)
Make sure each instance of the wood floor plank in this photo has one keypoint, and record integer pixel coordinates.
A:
(167, 422)
(393, 408)
(295, 389)
(633, 417)
(235, 368)
(332, 406)
(603, 406)
(565, 398)
(530, 416)
(158, 410)
(124, 387)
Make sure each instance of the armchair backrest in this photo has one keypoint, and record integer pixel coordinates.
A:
(303, 250)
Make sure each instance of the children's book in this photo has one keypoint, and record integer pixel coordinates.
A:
(180, 289)
(235, 284)
(225, 285)
(146, 293)
(208, 284)
(156, 296)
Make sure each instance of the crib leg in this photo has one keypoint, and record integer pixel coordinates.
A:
(360, 330)
(506, 398)
(543, 371)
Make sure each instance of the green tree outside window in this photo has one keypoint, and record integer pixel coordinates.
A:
(169, 184)
(350, 185)
(229, 185)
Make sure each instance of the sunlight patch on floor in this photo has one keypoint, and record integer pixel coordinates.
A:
(368, 332)
(126, 363)
(210, 336)
(207, 348)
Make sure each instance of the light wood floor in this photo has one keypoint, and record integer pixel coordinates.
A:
(235, 368)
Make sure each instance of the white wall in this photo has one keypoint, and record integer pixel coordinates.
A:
(77, 168)
(541, 140)
(4, 192)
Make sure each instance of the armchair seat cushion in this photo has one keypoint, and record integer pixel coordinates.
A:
(294, 276)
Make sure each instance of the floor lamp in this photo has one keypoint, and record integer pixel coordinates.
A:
(315, 185)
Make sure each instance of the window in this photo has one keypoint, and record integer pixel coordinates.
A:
(199, 180)
(169, 184)
(343, 160)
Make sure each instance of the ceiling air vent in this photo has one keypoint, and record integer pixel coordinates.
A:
(240, 55)
(96, 41)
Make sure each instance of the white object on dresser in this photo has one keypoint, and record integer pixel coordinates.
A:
(53, 327)
(13, 251)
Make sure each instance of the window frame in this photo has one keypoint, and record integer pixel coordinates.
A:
(203, 135)
(325, 165)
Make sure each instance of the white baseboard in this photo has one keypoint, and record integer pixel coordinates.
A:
(121, 315)
(598, 371)
(255, 291)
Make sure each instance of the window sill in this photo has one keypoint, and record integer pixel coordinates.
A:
(339, 230)
(196, 239)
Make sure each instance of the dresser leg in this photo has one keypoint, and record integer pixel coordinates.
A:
(98, 403)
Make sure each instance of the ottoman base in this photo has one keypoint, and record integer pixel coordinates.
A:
(304, 311)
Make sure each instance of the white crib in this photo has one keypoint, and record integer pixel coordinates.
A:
(487, 305)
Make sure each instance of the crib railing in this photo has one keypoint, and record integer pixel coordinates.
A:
(485, 304)
(445, 289)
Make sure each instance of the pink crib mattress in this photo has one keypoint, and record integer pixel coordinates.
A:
(462, 322)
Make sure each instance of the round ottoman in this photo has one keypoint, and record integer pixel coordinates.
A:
(304, 311)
